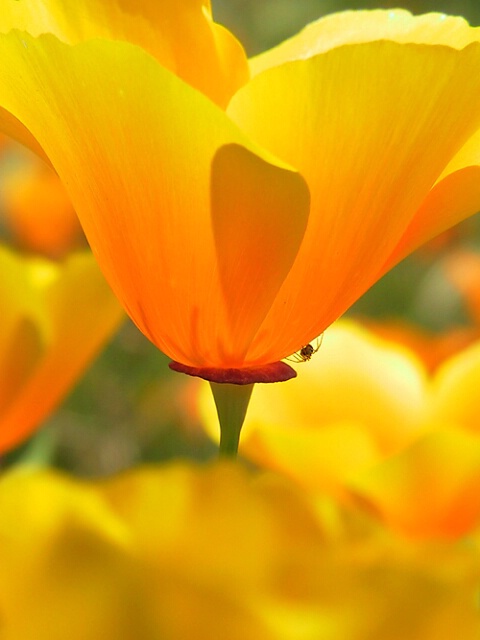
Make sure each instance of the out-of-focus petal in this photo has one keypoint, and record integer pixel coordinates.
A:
(462, 269)
(364, 420)
(355, 27)
(454, 396)
(183, 551)
(320, 459)
(65, 314)
(173, 553)
(430, 489)
(213, 61)
(67, 564)
(349, 121)
(358, 399)
(38, 212)
(15, 129)
(432, 348)
(222, 550)
(25, 325)
(4, 142)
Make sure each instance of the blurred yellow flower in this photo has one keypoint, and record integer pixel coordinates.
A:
(55, 318)
(367, 422)
(184, 553)
(238, 207)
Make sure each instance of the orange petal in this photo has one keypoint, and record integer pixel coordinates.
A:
(38, 212)
(462, 269)
(371, 127)
(453, 199)
(213, 62)
(137, 166)
(433, 349)
(254, 229)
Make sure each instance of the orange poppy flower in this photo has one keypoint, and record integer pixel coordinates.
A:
(238, 209)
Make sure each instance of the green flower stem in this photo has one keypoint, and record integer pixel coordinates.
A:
(231, 401)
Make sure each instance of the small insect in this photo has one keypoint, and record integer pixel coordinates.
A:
(307, 351)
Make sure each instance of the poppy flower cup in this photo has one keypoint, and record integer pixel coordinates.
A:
(238, 207)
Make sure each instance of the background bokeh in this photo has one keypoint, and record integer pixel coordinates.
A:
(129, 407)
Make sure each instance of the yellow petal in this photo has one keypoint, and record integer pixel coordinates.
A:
(70, 314)
(430, 489)
(454, 396)
(25, 326)
(213, 61)
(355, 27)
(66, 563)
(319, 459)
(175, 552)
(371, 127)
(213, 500)
(183, 551)
(137, 166)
